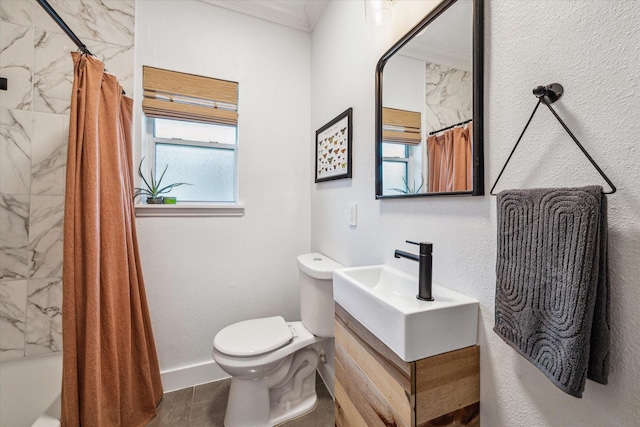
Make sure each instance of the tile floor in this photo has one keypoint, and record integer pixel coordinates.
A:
(204, 406)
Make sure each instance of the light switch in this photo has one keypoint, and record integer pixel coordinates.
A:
(353, 214)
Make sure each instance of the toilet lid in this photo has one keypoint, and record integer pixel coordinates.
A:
(253, 337)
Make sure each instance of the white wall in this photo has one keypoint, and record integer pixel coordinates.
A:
(402, 75)
(203, 274)
(593, 51)
(404, 89)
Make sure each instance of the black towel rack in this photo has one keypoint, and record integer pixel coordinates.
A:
(547, 95)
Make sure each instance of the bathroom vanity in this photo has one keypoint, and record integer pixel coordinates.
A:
(375, 387)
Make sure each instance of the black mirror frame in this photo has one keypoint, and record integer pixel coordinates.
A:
(478, 91)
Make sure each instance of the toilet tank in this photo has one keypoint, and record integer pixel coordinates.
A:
(316, 293)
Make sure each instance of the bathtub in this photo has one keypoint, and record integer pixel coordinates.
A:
(30, 391)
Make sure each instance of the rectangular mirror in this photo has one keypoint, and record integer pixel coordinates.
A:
(429, 89)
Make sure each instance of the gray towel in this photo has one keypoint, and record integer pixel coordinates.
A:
(552, 285)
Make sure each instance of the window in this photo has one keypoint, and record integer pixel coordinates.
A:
(395, 167)
(401, 136)
(201, 154)
(192, 132)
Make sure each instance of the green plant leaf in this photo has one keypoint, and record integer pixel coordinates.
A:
(409, 189)
(170, 186)
(141, 191)
(161, 176)
(142, 176)
(153, 188)
(399, 190)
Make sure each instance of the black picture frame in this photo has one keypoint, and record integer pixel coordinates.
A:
(333, 148)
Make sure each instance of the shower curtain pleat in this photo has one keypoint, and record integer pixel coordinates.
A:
(111, 375)
(450, 155)
(461, 170)
(439, 147)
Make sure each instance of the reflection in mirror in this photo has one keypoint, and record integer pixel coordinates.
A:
(429, 106)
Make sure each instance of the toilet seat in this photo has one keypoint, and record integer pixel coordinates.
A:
(253, 337)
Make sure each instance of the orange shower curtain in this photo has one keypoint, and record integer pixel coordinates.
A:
(110, 366)
(450, 157)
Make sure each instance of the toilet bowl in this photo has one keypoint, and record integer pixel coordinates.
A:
(272, 362)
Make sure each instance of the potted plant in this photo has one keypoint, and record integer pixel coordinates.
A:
(153, 189)
(410, 189)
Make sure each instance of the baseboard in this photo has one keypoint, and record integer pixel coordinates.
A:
(206, 372)
(189, 376)
(328, 376)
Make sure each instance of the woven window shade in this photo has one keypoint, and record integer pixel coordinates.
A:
(181, 96)
(401, 126)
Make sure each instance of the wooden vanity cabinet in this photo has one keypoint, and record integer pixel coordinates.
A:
(374, 387)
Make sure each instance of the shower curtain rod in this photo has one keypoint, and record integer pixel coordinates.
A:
(54, 15)
(450, 127)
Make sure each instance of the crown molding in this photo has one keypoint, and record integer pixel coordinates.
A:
(301, 15)
(313, 10)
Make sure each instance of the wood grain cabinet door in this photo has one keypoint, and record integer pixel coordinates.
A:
(374, 387)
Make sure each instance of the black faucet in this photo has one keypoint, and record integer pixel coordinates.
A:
(424, 268)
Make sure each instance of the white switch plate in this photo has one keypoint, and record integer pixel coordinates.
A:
(353, 214)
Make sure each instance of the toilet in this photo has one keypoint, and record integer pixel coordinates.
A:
(273, 362)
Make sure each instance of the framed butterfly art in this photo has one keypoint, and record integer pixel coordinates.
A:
(333, 148)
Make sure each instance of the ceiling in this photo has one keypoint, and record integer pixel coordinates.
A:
(447, 40)
(299, 14)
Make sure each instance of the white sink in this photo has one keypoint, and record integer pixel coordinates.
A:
(383, 299)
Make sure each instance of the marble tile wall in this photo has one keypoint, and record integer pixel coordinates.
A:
(449, 96)
(34, 121)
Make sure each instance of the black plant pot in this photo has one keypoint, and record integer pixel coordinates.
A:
(155, 200)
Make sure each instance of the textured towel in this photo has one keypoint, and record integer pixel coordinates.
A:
(552, 283)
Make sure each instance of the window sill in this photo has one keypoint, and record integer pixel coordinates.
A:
(189, 210)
